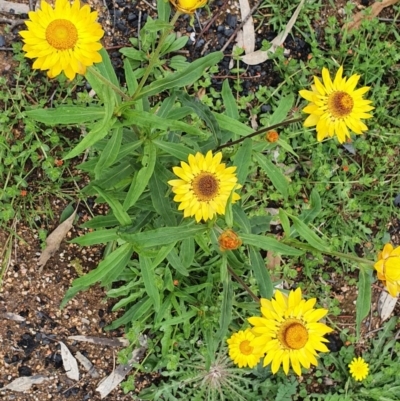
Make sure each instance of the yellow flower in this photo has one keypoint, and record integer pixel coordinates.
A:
(229, 240)
(358, 369)
(388, 268)
(336, 106)
(289, 332)
(240, 350)
(188, 6)
(204, 186)
(63, 38)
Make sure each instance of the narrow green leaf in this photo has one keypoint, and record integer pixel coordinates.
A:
(240, 218)
(161, 203)
(363, 303)
(308, 234)
(130, 77)
(163, 10)
(269, 244)
(66, 115)
(110, 153)
(182, 78)
(184, 317)
(166, 106)
(187, 252)
(117, 260)
(242, 160)
(161, 236)
(106, 68)
(176, 262)
(282, 110)
(177, 150)
(142, 178)
(121, 215)
(153, 121)
(308, 215)
(114, 175)
(283, 218)
(232, 125)
(225, 317)
(135, 312)
(202, 111)
(96, 237)
(230, 104)
(278, 180)
(150, 281)
(99, 129)
(261, 273)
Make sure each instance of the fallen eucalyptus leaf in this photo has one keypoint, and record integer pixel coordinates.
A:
(53, 241)
(249, 36)
(25, 383)
(13, 316)
(110, 382)
(386, 305)
(376, 8)
(69, 362)
(87, 365)
(259, 56)
(111, 342)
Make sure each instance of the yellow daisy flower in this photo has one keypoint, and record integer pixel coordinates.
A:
(188, 6)
(63, 38)
(359, 369)
(240, 350)
(289, 332)
(388, 268)
(336, 106)
(204, 186)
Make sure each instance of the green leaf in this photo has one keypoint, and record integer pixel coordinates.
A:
(242, 160)
(308, 234)
(66, 115)
(161, 202)
(136, 312)
(177, 150)
(230, 104)
(261, 273)
(123, 218)
(201, 110)
(153, 121)
(150, 280)
(187, 252)
(142, 178)
(162, 236)
(106, 68)
(96, 237)
(225, 317)
(240, 218)
(283, 218)
(115, 261)
(184, 317)
(269, 244)
(110, 153)
(363, 303)
(232, 125)
(282, 110)
(176, 262)
(278, 180)
(99, 129)
(182, 78)
(163, 10)
(130, 77)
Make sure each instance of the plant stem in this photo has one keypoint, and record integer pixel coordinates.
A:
(243, 284)
(108, 83)
(155, 55)
(281, 124)
(306, 247)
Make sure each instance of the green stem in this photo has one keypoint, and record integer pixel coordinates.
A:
(155, 55)
(306, 247)
(108, 83)
(281, 124)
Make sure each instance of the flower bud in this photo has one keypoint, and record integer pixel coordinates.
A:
(229, 241)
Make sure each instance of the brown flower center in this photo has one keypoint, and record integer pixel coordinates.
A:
(62, 34)
(205, 186)
(292, 334)
(340, 104)
(245, 347)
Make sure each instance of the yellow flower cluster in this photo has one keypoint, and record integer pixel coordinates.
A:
(287, 334)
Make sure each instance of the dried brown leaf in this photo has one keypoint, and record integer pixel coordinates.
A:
(69, 362)
(25, 383)
(386, 305)
(111, 342)
(53, 241)
(249, 36)
(376, 8)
